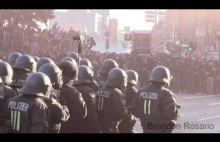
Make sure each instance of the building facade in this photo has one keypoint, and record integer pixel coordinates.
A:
(178, 26)
(208, 31)
(90, 21)
(158, 36)
(113, 24)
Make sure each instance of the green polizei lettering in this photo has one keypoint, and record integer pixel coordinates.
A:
(145, 105)
(18, 121)
(149, 103)
(15, 116)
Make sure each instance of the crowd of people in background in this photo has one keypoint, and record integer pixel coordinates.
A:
(191, 75)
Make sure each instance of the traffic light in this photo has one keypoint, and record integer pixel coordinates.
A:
(192, 46)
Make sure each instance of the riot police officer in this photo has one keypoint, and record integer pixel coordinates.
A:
(23, 67)
(36, 58)
(74, 55)
(111, 103)
(90, 123)
(68, 59)
(6, 74)
(59, 113)
(43, 61)
(6, 92)
(12, 58)
(55, 75)
(128, 122)
(102, 73)
(156, 105)
(72, 98)
(27, 112)
(86, 62)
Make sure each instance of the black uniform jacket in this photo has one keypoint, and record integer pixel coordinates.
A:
(70, 97)
(27, 114)
(19, 78)
(90, 123)
(100, 80)
(110, 103)
(59, 113)
(155, 105)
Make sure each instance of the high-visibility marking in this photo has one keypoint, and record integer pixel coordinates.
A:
(145, 105)
(102, 101)
(12, 117)
(15, 117)
(149, 103)
(207, 118)
(214, 104)
(18, 121)
(99, 103)
(195, 97)
(15, 120)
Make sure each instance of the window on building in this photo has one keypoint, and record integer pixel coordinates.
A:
(179, 35)
(173, 27)
(168, 36)
(174, 19)
(172, 35)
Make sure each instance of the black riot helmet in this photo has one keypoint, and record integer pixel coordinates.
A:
(69, 69)
(68, 59)
(6, 72)
(43, 61)
(25, 62)
(117, 77)
(161, 74)
(73, 55)
(13, 57)
(36, 58)
(85, 75)
(86, 62)
(132, 77)
(54, 73)
(37, 84)
(107, 65)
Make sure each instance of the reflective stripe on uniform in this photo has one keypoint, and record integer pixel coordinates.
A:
(145, 105)
(149, 103)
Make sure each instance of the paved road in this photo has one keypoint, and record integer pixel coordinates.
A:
(199, 114)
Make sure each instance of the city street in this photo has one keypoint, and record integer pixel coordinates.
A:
(199, 114)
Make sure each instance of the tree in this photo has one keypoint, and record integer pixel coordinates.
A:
(25, 18)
